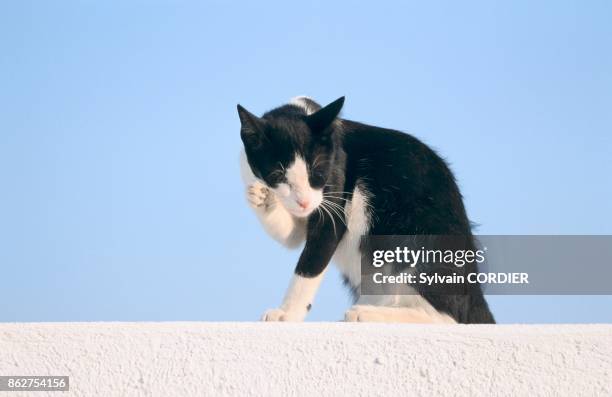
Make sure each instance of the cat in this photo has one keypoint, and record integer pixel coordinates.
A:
(314, 178)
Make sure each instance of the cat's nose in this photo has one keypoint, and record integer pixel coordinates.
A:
(303, 204)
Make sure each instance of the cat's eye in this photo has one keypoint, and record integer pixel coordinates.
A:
(275, 177)
(317, 179)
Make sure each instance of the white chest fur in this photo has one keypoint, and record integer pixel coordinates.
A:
(347, 256)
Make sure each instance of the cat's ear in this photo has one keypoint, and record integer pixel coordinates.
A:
(251, 127)
(322, 119)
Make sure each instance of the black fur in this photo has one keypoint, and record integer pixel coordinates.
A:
(412, 190)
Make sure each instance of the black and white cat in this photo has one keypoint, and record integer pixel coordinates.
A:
(330, 182)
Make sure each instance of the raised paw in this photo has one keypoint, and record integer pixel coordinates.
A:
(259, 196)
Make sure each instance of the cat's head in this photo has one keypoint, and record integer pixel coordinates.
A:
(291, 150)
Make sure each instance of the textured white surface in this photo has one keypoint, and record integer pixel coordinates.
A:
(310, 359)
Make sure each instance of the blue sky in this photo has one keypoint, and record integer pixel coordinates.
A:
(119, 140)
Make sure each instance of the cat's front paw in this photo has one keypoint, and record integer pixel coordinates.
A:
(359, 313)
(259, 196)
(282, 315)
(369, 314)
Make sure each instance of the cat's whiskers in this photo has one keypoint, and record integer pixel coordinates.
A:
(340, 217)
(320, 216)
(336, 209)
(335, 197)
(330, 217)
(335, 205)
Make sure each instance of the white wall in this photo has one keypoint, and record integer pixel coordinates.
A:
(278, 359)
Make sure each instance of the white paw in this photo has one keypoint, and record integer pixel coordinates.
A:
(282, 315)
(357, 313)
(385, 314)
(366, 314)
(259, 196)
